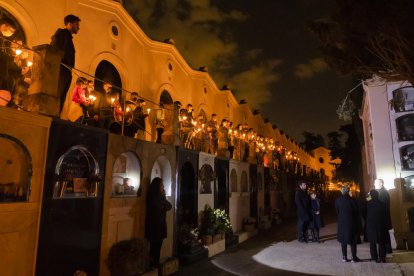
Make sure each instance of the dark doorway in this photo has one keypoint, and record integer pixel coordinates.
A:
(253, 192)
(165, 98)
(221, 196)
(187, 196)
(107, 72)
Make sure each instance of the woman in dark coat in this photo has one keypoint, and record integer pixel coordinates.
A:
(377, 231)
(347, 212)
(156, 224)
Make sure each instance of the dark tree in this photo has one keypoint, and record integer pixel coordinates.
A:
(334, 144)
(367, 37)
(312, 141)
(350, 168)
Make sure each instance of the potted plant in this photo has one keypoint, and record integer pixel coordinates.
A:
(222, 221)
(207, 226)
(215, 225)
(187, 239)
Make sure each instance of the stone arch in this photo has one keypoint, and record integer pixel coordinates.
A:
(126, 166)
(162, 169)
(116, 62)
(16, 169)
(23, 19)
(106, 71)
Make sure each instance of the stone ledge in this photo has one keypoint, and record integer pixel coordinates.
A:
(216, 248)
(245, 235)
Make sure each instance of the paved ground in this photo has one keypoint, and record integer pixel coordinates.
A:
(276, 252)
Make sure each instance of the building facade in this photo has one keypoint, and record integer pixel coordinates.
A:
(64, 200)
(387, 113)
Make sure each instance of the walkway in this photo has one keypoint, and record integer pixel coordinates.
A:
(275, 252)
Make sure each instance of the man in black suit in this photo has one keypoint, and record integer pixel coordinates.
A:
(303, 210)
(384, 197)
(62, 40)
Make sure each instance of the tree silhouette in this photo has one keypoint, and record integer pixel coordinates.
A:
(312, 141)
(367, 37)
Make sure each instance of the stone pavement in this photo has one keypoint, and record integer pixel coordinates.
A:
(275, 252)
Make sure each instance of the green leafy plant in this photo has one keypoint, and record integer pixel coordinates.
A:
(187, 236)
(215, 221)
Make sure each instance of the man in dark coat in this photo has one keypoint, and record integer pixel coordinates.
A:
(62, 40)
(347, 212)
(385, 198)
(303, 211)
(155, 220)
(377, 231)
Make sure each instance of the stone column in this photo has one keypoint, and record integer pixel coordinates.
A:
(43, 92)
(176, 125)
(168, 134)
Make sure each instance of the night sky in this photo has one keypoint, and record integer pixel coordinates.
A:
(260, 49)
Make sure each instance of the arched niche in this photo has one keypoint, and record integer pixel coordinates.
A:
(405, 127)
(233, 181)
(403, 99)
(106, 71)
(15, 170)
(244, 184)
(19, 34)
(165, 97)
(407, 157)
(77, 173)
(206, 176)
(126, 175)
(187, 196)
(162, 169)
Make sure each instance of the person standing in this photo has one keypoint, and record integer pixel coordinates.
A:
(303, 212)
(347, 232)
(377, 231)
(160, 122)
(155, 220)
(384, 197)
(63, 41)
(316, 217)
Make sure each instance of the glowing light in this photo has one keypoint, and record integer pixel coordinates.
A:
(18, 52)
(148, 110)
(29, 64)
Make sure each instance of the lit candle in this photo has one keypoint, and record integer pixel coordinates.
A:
(127, 109)
(18, 52)
(29, 63)
(148, 110)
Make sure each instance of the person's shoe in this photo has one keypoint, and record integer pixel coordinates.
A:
(355, 260)
(377, 260)
(383, 261)
(345, 259)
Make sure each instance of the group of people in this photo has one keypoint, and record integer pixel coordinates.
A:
(237, 142)
(377, 223)
(86, 105)
(309, 217)
(375, 227)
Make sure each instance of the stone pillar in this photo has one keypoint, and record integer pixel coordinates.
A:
(176, 125)
(168, 134)
(43, 92)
